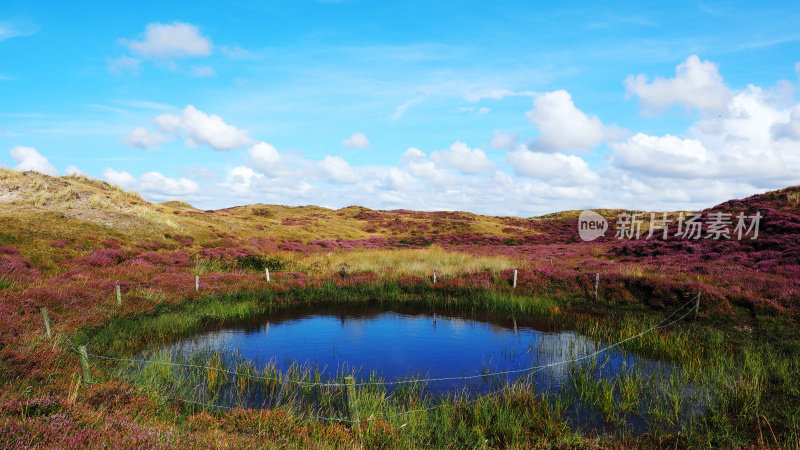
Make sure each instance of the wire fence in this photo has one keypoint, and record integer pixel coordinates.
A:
(531, 370)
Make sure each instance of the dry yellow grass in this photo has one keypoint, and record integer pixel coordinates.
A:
(409, 262)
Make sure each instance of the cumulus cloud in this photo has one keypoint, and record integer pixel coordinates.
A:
(504, 141)
(460, 157)
(356, 141)
(418, 165)
(664, 156)
(73, 170)
(557, 168)
(241, 180)
(152, 183)
(204, 129)
(247, 184)
(697, 85)
(747, 146)
(173, 40)
(28, 158)
(158, 183)
(789, 129)
(122, 179)
(337, 170)
(565, 128)
(752, 141)
(264, 158)
(140, 137)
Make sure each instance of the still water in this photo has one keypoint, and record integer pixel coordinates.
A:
(396, 345)
(465, 356)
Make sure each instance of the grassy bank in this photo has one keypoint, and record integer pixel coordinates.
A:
(747, 380)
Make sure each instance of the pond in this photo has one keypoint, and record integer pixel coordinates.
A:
(467, 356)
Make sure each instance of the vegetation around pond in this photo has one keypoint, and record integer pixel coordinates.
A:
(66, 244)
(740, 377)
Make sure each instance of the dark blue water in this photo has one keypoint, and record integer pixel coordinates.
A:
(394, 345)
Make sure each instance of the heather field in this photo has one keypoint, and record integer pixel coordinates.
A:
(67, 242)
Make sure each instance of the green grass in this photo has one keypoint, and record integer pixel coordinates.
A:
(748, 382)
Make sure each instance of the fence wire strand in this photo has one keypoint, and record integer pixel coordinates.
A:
(532, 369)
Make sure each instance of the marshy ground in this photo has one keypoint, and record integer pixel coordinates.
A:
(66, 243)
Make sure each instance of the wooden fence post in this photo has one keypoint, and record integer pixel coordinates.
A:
(87, 375)
(267, 272)
(46, 324)
(119, 296)
(514, 284)
(352, 401)
(197, 282)
(434, 275)
(696, 305)
(596, 284)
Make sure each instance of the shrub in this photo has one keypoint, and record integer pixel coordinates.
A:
(103, 258)
(259, 263)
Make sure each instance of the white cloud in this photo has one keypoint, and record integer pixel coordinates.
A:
(264, 158)
(123, 64)
(153, 183)
(157, 183)
(249, 185)
(463, 159)
(789, 129)
(504, 141)
(357, 141)
(122, 179)
(28, 158)
(174, 40)
(337, 170)
(748, 146)
(204, 129)
(412, 155)
(664, 156)
(240, 180)
(397, 179)
(557, 168)
(140, 137)
(696, 85)
(418, 165)
(564, 127)
(752, 141)
(73, 170)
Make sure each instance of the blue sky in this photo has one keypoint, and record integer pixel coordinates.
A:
(492, 107)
